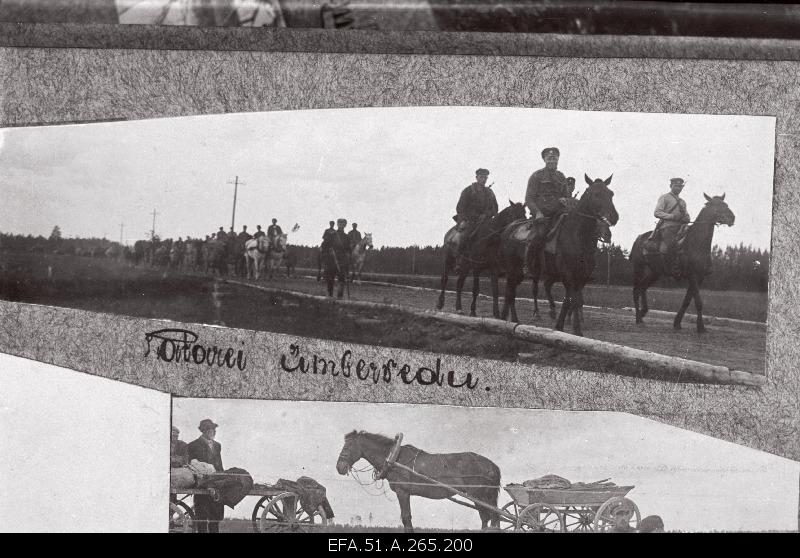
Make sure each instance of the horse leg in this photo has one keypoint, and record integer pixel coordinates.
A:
(535, 289)
(460, 287)
(405, 509)
(476, 288)
(698, 302)
(495, 290)
(440, 302)
(565, 307)
(548, 289)
(577, 313)
(676, 324)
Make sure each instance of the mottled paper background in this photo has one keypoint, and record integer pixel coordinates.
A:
(56, 85)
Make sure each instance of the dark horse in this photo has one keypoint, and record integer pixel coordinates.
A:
(575, 247)
(483, 254)
(694, 258)
(468, 472)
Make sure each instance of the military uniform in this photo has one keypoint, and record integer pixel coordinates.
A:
(671, 210)
(476, 202)
(673, 215)
(273, 231)
(546, 188)
(259, 234)
(355, 237)
(335, 251)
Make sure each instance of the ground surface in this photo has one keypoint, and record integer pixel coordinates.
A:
(108, 286)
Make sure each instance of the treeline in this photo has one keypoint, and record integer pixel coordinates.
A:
(55, 244)
(734, 267)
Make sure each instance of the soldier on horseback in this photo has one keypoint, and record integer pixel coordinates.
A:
(673, 216)
(476, 204)
(259, 232)
(274, 231)
(336, 250)
(545, 196)
(354, 235)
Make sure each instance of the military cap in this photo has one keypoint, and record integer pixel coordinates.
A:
(175, 429)
(550, 151)
(571, 179)
(481, 171)
(341, 221)
(207, 424)
(678, 181)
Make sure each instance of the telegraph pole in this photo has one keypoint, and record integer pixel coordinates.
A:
(235, 192)
(153, 239)
(121, 227)
(153, 230)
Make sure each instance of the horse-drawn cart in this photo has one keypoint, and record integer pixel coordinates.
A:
(571, 510)
(277, 511)
(549, 504)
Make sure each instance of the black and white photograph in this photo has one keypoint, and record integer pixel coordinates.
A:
(264, 467)
(617, 242)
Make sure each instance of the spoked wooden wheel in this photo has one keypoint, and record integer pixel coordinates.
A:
(513, 509)
(181, 517)
(540, 518)
(578, 519)
(617, 514)
(285, 514)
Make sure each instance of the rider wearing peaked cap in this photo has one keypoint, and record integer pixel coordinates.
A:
(476, 203)
(547, 187)
(673, 215)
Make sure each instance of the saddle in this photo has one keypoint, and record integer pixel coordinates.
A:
(551, 239)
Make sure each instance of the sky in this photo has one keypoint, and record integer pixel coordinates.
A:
(397, 172)
(694, 482)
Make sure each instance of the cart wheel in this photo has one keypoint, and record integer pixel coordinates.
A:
(579, 519)
(540, 518)
(513, 509)
(284, 514)
(617, 514)
(181, 517)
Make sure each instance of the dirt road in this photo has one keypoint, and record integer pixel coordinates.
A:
(737, 346)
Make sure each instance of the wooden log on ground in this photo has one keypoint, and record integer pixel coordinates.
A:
(680, 368)
(677, 368)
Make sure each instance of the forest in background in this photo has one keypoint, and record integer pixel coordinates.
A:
(738, 268)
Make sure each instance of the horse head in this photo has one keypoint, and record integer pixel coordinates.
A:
(509, 214)
(719, 209)
(351, 452)
(598, 201)
(367, 240)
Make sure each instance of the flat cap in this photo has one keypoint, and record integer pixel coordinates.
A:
(481, 171)
(550, 151)
(207, 424)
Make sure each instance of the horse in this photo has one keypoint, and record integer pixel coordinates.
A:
(468, 472)
(359, 255)
(255, 252)
(537, 268)
(189, 262)
(694, 260)
(290, 259)
(482, 255)
(214, 256)
(572, 260)
(277, 249)
(176, 253)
